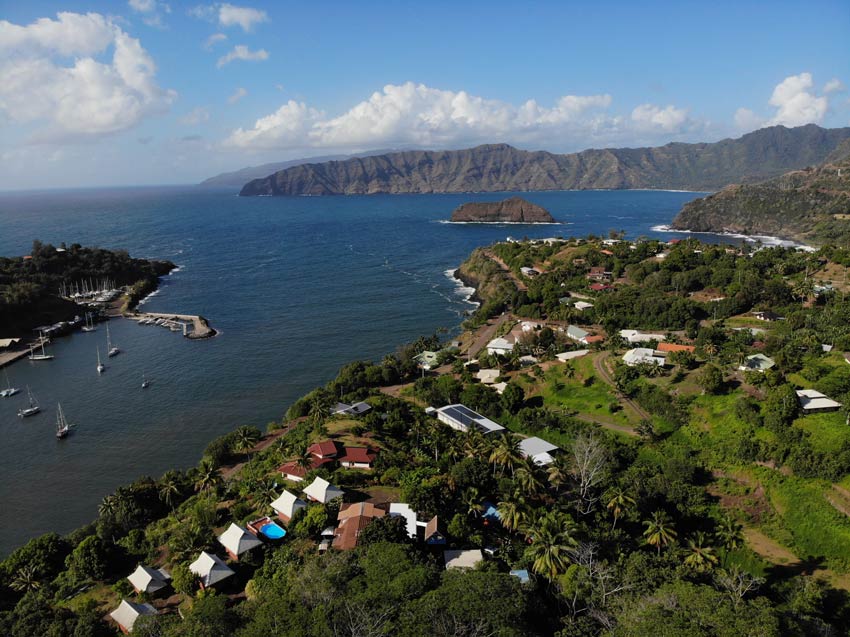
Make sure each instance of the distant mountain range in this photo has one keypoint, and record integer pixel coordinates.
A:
(239, 178)
(756, 156)
(810, 205)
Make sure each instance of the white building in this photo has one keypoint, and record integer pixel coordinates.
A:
(148, 580)
(351, 410)
(812, 401)
(461, 418)
(237, 541)
(641, 355)
(287, 505)
(488, 376)
(636, 336)
(210, 569)
(400, 509)
(567, 356)
(757, 363)
(320, 490)
(537, 449)
(581, 306)
(500, 347)
(128, 612)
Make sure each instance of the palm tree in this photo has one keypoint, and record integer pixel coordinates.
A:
(710, 349)
(26, 579)
(659, 531)
(246, 439)
(107, 507)
(472, 501)
(506, 453)
(207, 476)
(558, 472)
(619, 501)
(318, 410)
(701, 557)
(528, 477)
(188, 542)
(474, 444)
(551, 540)
(512, 514)
(170, 488)
(305, 461)
(730, 534)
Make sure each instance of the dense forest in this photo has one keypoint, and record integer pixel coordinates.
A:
(687, 499)
(29, 285)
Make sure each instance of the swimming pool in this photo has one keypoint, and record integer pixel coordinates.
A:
(272, 531)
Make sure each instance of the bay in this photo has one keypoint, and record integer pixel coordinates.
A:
(297, 287)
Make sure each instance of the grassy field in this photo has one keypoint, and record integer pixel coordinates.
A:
(826, 431)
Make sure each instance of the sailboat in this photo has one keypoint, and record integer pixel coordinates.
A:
(63, 427)
(40, 357)
(100, 366)
(110, 349)
(89, 326)
(9, 391)
(145, 382)
(32, 410)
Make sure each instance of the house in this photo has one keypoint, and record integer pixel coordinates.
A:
(128, 612)
(594, 338)
(757, 363)
(812, 401)
(636, 336)
(529, 272)
(210, 569)
(641, 355)
(577, 334)
(598, 273)
(675, 347)
(324, 449)
(528, 360)
(488, 376)
(767, 315)
(287, 505)
(148, 580)
(320, 490)
(402, 510)
(462, 559)
(462, 418)
(426, 359)
(357, 409)
(600, 287)
(357, 458)
(353, 518)
(581, 306)
(433, 536)
(500, 347)
(296, 473)
(566, 356)
(237, 541)
(537, 449)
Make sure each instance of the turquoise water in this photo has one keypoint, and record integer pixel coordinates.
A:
(297, 287)
(272, 531)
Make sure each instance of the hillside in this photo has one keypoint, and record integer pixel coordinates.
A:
(810, 205)
(498, 167)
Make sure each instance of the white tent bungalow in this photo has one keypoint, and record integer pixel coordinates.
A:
(237, 541)
(148, 580)
(320, 490)
(287, 505)
(210, 569)
(128, 612)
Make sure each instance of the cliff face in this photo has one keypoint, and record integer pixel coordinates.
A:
(811, 205)
(513, 210)
(499, 167)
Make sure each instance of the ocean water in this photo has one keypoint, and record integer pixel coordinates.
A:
(297, 287)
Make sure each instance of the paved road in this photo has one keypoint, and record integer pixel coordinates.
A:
(522, 287)
(486, 335)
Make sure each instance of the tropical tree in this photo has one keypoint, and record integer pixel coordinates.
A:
(472, 502)
(26, 579)
(701, 557)
(558, 473)
(506, 453)
(207, 476)
(618, 501)
(660, 531)
(512, 513)
(528, 477)
(552, 537)
(170, 488)
(589, 469)
(305, 461)
(246, 439)
(729, 534)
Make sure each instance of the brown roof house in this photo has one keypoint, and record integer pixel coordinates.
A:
(433, 535)
(353, 518)
(296, 473)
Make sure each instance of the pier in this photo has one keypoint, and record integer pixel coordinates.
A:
(200, 326)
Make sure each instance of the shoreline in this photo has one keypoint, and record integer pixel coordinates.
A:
(768, 240)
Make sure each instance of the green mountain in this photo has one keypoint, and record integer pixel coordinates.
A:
(498, 167)
(810, 205)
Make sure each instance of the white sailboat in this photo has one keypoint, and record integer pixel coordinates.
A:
(145, 382)
(40, 357)
(32, 410)
(9, 391)
(100, 366)
(63, 427)
(111, 350)
(89, 326)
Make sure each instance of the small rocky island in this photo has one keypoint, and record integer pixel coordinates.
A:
(513, 210)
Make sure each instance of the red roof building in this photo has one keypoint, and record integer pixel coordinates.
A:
(594, 338)
(324, 449)
(600, 287)
(674, 347)
(293, 471)
(357, 457)
(353, 518)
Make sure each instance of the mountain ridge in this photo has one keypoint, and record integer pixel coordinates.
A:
(500, 167)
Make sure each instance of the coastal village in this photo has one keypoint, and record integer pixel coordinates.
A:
(501, 452)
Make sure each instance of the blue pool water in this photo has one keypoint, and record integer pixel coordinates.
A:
(272, 531)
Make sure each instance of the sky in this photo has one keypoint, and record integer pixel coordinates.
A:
(107, 93)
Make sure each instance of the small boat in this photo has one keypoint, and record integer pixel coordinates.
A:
(89, 326)
(145, 382)
(9, 391)
(40, 357)
(100, 366)
(111, 350)
(32, 410)
(63, 427)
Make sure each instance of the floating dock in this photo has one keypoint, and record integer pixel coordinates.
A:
(200, 326)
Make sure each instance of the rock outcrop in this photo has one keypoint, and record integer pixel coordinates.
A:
(513, 210)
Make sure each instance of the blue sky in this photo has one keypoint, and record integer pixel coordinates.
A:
(108, 93)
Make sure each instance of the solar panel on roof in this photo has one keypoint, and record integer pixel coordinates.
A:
(467, 412)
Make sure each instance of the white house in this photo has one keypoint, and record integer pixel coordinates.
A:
(577, 334)
(462, 559)
(488, 376)
(351, 410)
(210, 569)
(237, 541)
(462, 418)
(400, 509)
(757, 363)
(636, 336)
(128, 612)
(287, 505)
(500, 387)
(537, 449)
(581, 306)
(148, 580)
(640, 355)
(320, 490)
(500, 346)
(566, 356)
(812, 401)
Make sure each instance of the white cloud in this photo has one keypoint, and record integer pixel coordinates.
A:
(197, 115)
(795, 103)
(82, 98)
(151, 11)
(242, 52)
(142, 6)
(238, 94)
(214, 39)
(833, 86)
(418, 115)
(667, 119)
(245, 17)
(746, 120)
